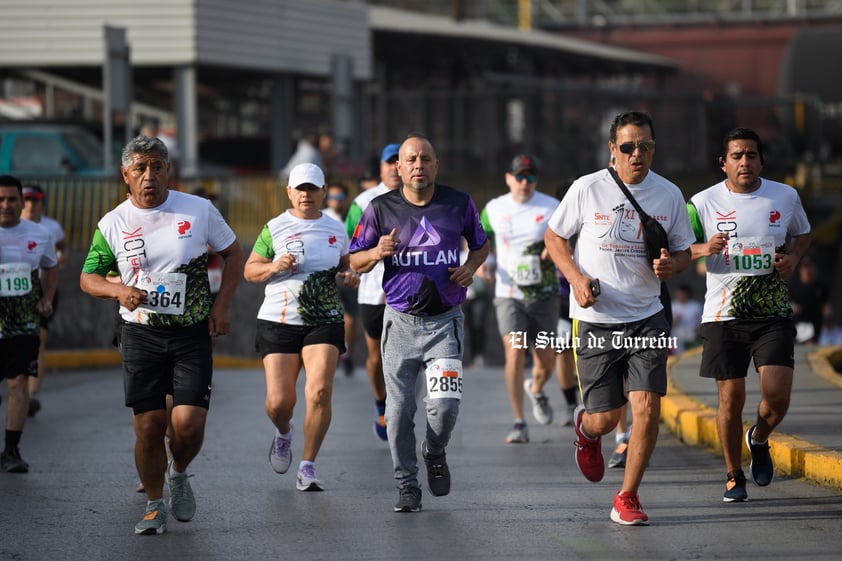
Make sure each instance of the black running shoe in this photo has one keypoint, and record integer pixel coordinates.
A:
(11, 462)
(735, 487)
(409, 500)
(34, 406)
(438, 474)
(761, 468)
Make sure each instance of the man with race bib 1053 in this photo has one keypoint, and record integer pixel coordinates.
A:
(742, 224)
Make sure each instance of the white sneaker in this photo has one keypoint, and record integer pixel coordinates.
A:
(280, 453)
(541, 409)
(307, 479)
(567, 420)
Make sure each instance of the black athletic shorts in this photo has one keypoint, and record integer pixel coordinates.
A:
(160, 360)
(372, 317)
(729, 346)
(19, 355)
(273, 337)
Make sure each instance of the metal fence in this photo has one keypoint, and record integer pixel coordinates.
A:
(78, 204)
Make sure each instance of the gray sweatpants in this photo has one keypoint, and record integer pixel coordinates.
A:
(409, 344)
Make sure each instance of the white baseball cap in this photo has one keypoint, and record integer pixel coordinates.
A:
(304, 174)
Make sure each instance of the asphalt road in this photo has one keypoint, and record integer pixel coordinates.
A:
(514, 502)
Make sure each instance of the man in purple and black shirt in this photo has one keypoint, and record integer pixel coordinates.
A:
(417, 231)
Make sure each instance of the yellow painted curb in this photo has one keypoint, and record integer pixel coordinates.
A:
(694, 423)
(94, 358)
(821, 364)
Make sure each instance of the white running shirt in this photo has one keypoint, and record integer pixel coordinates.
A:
(518, 230)
(734, 287)
(370, 290)
(305, 294)
(610, 245)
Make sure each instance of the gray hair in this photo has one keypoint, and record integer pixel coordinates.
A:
(144, 145)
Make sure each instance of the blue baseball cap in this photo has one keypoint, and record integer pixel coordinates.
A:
(389, 152)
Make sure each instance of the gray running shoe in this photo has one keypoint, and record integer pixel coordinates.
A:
(154, 520)
(409, 500)
(541, 409)
(182, 501)
(618, 458)
(280, 453)
(519, 434)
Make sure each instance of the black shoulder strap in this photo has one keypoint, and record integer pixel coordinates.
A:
(626, 191)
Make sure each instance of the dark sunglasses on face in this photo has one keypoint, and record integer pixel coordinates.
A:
(336, 197)
(530, 178)
(644, 145)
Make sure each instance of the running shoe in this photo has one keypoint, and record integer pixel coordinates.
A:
(628, 511)
(34, 406)
(438, 474)
(280, 453)
(11, 462)
(735, 487)
(588, 452)
(154, 520)
(541, 409)
(761, 468)
(409, 500)
(519, 434)
(380, 423)
(182, 501)
(307, 479)
(618, 457)
(568, 418)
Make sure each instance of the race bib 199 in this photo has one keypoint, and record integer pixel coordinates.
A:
(15, 279)
(752, 255)
(526, 270)
(165, 292)
(444, 378)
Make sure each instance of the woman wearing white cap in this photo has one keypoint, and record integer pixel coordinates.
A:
(299, 254)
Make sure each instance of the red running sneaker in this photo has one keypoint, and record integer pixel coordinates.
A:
(588, 452)
(628, 511)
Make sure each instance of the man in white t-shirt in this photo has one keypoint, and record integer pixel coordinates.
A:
(370, 296)
(620, 331)
(27, 286)
(526, 290)
(158, 241)
(742, 224)
(33, 210)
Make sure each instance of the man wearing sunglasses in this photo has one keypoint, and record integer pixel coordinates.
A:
(526, 295)
(620, 331)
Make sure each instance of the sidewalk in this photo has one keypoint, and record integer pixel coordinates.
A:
(808, 443)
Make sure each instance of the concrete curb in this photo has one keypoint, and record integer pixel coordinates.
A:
(694, 424)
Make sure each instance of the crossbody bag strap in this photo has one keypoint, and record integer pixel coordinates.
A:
(626, 191)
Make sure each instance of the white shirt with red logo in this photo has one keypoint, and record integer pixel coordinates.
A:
(317, 246)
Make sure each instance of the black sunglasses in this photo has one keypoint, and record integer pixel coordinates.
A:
(530, 178)
(644, 145)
